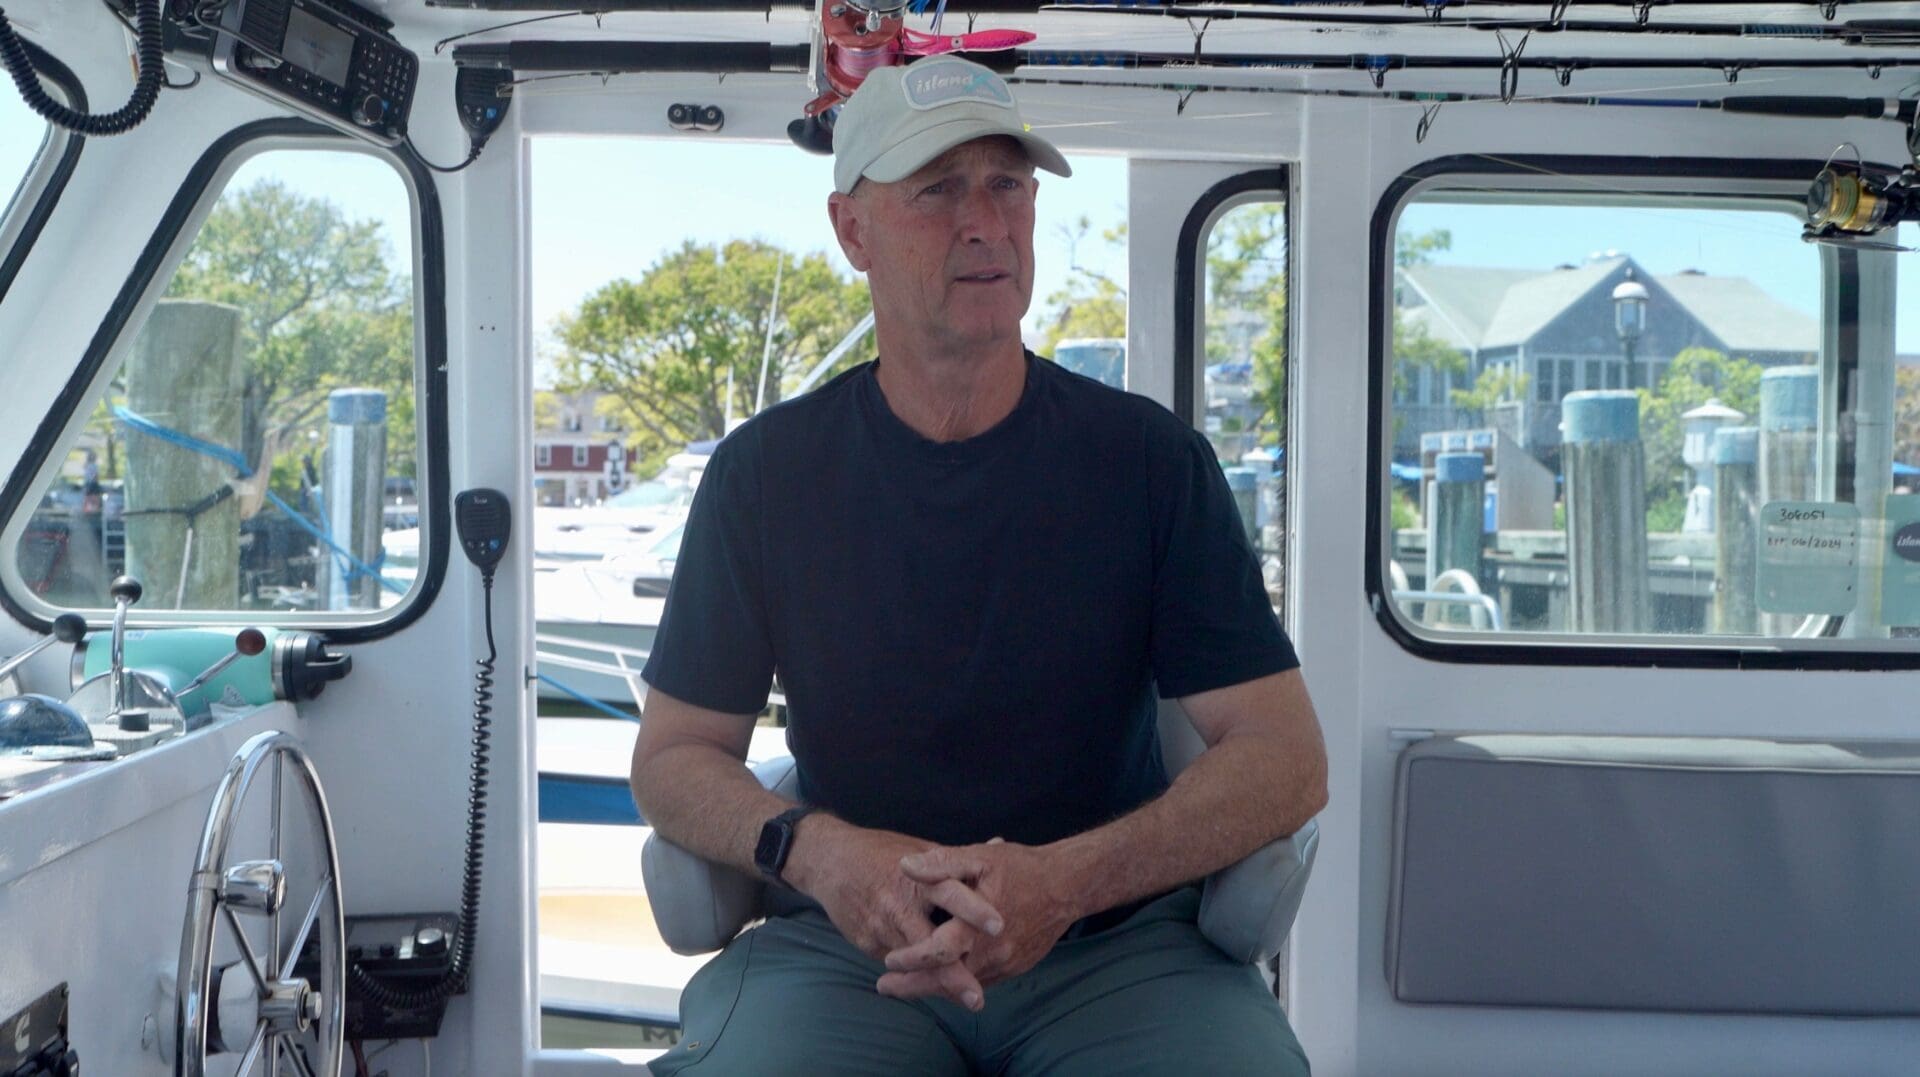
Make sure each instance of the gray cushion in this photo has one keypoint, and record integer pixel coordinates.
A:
(1690, 874)
(1246, 909)
(699, 905)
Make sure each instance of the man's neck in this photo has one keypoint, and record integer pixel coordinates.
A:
(952, 397)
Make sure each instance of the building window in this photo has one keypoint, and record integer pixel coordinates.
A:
(543, 456)
(579, 456)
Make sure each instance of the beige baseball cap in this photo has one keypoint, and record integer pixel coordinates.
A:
(904, 116)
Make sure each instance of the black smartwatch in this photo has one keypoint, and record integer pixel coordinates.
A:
(776, 843)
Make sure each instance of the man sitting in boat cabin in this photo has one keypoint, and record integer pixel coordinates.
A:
(972, 571)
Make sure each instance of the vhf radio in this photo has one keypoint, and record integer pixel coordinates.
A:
(331, 60)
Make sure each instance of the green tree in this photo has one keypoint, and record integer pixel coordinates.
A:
(666, 347)
(1906, 415)
(1247, 306)
(1418, 248)
(1495, 385)
(1696, 376)
(320, 309)
(1091, 303)
(1414, 345)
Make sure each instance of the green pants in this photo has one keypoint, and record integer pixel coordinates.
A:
(1150, 997)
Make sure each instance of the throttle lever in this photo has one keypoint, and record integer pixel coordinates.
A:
(246, 643)
(125, 591)
(67, 628)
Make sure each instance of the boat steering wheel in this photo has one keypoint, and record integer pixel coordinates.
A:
(295, 1007)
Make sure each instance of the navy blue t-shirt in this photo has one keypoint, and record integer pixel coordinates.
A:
(969, 634)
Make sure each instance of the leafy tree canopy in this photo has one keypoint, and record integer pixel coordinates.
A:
(669, 347)
(320, 309)
(1696, 376)
(1091, 304)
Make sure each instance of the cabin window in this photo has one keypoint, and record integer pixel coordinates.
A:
(1745, 472)
(1245, 407)
(255, 448)
(23, 137)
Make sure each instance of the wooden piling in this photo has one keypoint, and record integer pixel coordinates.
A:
(185, 372)
(1606, 512)
(1245, 484)
(1736, 513)
(1456, 525)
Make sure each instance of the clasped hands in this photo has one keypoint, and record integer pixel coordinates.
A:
(1005, 907)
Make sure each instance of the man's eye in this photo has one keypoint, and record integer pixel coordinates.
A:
(936, 188)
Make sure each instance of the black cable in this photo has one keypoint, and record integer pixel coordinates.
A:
(167, 83)
(473, 154)
(146, 86)
(454, 981)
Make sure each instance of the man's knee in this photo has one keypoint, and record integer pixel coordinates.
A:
(784, 1000)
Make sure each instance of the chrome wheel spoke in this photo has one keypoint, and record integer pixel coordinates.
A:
(250, 960)
(298, 1059)
(253, 1049)
(273, 918)
(306, 927)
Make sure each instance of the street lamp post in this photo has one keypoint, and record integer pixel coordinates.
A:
(1630, 320)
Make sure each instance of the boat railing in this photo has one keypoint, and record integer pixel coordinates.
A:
(604, 659)
(590, 656)
(1454, 587)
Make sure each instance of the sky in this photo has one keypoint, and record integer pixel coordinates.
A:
(604, 208)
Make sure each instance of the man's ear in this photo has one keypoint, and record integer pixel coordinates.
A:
(845, 212)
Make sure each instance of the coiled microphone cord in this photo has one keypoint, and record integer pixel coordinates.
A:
(146, 86)
(454, 982)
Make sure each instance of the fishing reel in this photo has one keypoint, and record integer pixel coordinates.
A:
(852, 39)
(1850, 203)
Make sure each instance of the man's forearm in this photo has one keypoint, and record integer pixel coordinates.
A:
(706, 802)
(1242, 793)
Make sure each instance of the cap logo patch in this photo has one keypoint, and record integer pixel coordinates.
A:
(929, 86)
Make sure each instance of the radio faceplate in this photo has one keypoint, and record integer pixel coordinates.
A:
(326, 62)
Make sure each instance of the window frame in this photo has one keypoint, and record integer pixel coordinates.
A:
(46, 179)
(1273, 183)
(580, 456)
(1705, 179)
(175, 231)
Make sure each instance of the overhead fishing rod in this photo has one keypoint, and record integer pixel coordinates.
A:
(629, 57)
(1781, 106)
(1884, 32)
(1431, 9)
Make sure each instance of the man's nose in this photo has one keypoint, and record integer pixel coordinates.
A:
(982, 218)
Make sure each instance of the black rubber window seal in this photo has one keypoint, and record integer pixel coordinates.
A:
(431, 368)
(1775, 654)
(43, 206)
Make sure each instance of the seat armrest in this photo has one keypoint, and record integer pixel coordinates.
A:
(698, 905)
(1247, 908)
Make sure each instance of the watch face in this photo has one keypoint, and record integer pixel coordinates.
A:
(770, 855)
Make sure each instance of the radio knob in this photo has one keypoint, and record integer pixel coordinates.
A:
(257, 61)
(370, 111)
